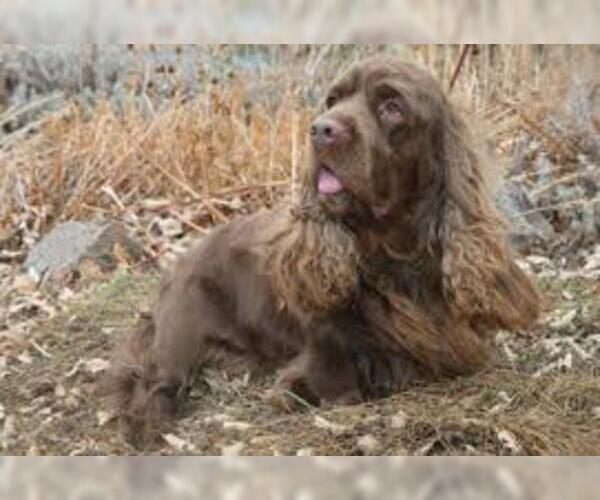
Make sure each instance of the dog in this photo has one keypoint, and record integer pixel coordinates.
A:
(390, 267)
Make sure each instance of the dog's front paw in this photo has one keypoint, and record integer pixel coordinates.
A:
(291, 393)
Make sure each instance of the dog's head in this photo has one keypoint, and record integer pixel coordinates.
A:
(390, 154)
(370, 145)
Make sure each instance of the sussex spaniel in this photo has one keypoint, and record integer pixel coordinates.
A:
(390, 267)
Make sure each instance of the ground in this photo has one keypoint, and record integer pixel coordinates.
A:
(534, 399)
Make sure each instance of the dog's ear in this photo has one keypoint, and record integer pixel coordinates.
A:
(467, 236)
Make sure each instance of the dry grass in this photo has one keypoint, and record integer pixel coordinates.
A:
(78, 166)
(238, 140)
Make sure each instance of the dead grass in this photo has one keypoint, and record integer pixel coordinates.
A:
(106, 164)
(239, 141)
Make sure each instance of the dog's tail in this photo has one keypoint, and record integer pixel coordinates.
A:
(132, 388)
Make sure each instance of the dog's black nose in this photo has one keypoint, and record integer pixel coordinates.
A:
(327, 132)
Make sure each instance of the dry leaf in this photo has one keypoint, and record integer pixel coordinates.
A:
(60, 391)
(509, 441)
(24, 283)
(96, 365)
(399, 420)
(155, 204)
(368, 444)
(76, 367)
(104, 417)
(565, 320)
(335, 429)
(236, 426)
(177, 443)
(25, 358)
(565, 363)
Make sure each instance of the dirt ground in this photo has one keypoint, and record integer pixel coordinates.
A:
(541, 396)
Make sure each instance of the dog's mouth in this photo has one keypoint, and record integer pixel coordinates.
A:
(328, 183)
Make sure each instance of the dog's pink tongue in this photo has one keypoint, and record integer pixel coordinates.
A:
(328, 183)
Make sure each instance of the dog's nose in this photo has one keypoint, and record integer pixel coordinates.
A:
(327, 133)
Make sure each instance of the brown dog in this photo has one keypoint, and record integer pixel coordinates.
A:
(392, 267)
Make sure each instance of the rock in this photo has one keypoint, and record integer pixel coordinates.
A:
(69, 244)
(526, 227)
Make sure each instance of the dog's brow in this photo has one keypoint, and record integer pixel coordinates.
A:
(380, 73)
(347, 85)
(386, 85)
(343, 89)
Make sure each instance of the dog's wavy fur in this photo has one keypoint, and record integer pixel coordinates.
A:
(403, 278)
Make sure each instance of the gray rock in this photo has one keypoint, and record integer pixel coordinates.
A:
(70, 243)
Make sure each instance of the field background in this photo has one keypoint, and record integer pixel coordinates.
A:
(171, 140)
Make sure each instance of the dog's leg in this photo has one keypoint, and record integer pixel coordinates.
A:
(343, 368)
(151, 376)
(323, 371)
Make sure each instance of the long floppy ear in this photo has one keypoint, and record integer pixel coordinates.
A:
(480, 279)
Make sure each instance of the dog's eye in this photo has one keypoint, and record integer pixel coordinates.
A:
(391, 111)
(330, 101)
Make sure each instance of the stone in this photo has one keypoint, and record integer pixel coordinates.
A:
(71, 243)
